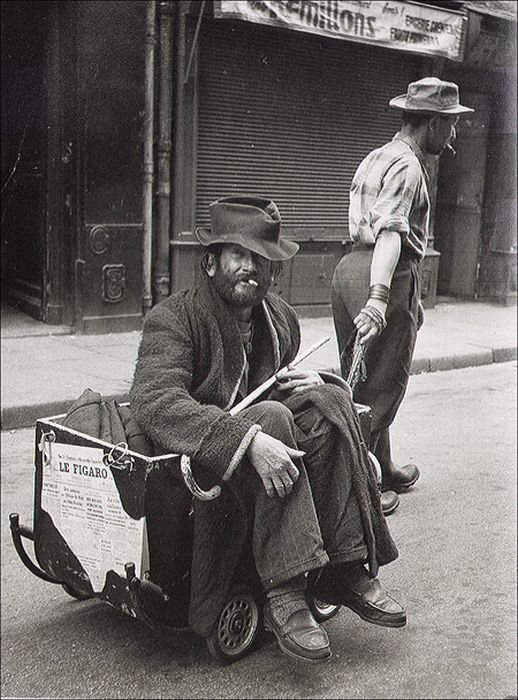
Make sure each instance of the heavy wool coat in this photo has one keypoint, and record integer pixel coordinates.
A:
(189, 368)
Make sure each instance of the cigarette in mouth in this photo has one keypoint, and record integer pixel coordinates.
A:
(450, 147)
(253, 283)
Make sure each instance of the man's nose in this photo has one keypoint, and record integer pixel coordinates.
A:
(248, 261)
(453, 134)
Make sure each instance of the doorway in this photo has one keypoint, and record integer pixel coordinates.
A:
(24, 154)
(460, 197)
(35, 248)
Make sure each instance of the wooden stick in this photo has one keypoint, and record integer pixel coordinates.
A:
(269, 382)
(185, 462)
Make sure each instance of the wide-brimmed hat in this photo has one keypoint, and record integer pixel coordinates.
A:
(430, 95)
(251, 222)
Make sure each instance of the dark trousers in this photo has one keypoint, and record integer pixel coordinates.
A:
(320, 520)
(389, 356)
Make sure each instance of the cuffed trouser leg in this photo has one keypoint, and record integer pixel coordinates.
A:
(331, 483)
(286, 537)
(380, 446)
(320, 520)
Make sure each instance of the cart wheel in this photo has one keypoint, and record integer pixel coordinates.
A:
(322, 611)
(75, 593)
(237, 627)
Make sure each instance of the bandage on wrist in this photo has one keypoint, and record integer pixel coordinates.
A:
(380, 292)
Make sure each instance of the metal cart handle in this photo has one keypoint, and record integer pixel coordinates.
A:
(190, 482)
(17, 532)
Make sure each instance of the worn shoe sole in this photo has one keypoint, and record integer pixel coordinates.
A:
(363, 608)
(393, 507)
(270, 627)
(368, 614)
(398, 487)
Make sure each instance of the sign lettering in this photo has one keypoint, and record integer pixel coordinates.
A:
(393, 24)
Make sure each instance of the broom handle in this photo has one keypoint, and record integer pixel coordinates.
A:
(269, 382)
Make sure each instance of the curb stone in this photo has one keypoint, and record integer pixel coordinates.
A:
(13, 417)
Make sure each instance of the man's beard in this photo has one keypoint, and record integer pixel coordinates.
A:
(243, 294)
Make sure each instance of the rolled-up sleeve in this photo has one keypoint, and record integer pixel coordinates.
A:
(391, 210)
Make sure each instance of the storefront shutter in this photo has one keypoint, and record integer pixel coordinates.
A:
(290, 115)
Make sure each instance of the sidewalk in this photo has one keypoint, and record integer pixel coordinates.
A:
(45, 368)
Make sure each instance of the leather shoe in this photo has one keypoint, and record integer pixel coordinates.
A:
(400, 478)
(363, 595)
(389, 502)
(300, 636)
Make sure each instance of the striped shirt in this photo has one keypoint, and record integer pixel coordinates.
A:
(389, 191)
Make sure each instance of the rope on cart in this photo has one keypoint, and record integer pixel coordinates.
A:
(120, 461)
(358, 373)
(358, 370)
(47, 438)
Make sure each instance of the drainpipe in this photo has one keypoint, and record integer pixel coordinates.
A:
(147, 214)
(161, 278)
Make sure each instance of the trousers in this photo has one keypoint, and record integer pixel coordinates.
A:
(319, 521)
(333, 513)
(389, 356)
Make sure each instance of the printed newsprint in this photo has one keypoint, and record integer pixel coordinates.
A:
(80, 494)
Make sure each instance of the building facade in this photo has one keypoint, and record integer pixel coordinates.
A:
(122, 121)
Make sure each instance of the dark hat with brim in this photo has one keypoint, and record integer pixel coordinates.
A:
(251, 222)
(431, 95)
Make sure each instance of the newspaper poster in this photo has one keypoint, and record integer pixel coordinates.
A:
(80, 494)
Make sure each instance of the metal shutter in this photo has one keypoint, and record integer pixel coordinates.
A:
(290, 115)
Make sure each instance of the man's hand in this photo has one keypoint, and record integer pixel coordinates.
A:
(385, 256)
(272, 460)
(293, 381)
(367, 328)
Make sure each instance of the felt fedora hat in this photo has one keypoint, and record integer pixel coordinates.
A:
(251, 222)
(430, 95)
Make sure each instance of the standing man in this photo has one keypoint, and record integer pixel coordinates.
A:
(301, 493)
(375, 288)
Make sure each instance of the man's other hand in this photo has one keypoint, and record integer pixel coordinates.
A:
(292, 381)
(272, 460)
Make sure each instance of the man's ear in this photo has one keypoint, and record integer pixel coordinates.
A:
(210, 266)
(432, 123)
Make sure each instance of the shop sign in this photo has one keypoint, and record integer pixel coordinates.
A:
(405, 26)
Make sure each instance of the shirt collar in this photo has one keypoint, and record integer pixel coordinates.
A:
(416, 149)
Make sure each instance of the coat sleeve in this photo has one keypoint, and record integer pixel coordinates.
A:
(164, 408)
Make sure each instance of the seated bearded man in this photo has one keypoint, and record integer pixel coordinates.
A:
(304, 495)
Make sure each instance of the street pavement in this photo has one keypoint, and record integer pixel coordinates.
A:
(455, 575)
(455, 531)
(45, 368)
